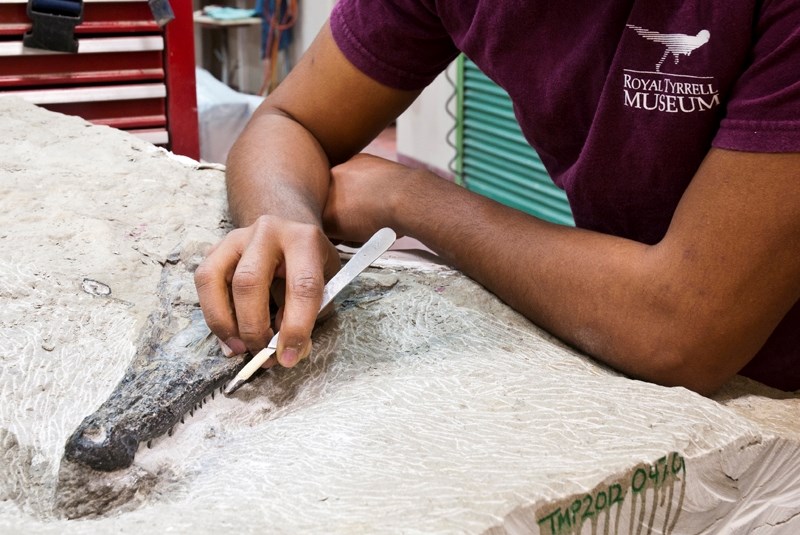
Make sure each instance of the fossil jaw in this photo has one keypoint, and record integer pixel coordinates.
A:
(178, 364)
(156, 392)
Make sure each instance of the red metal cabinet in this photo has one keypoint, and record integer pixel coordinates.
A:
(127, 73)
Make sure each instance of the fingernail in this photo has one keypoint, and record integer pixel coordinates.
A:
(225, 349)
(234, 345)
(289, 357)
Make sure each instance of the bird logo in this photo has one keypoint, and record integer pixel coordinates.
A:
(677, 44)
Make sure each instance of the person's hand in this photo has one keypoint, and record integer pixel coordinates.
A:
(362, 197)
(233, 284)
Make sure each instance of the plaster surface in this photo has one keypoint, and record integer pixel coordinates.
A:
(427, 405)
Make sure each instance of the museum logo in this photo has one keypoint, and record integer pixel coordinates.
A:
(656, 90)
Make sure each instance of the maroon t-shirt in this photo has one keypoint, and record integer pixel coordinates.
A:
(621, 99)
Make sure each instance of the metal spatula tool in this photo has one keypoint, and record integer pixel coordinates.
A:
(369, 252)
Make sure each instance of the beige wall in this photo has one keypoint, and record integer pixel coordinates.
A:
(313, 14)
(422, 130)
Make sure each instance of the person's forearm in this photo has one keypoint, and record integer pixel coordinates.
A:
(276, 167)
(527, 262)
(611, 297)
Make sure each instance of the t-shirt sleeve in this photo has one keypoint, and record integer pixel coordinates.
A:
(763, 112)
(399, 43)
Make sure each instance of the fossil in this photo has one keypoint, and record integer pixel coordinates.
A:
(177, 367)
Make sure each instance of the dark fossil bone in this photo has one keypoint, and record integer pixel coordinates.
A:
(177, 364)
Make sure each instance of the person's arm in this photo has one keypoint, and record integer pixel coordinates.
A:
(691, 310)
(278, 176)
